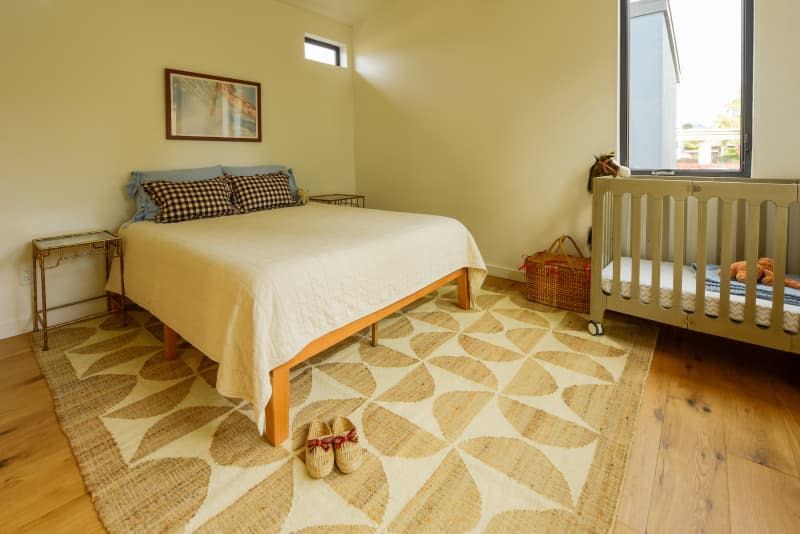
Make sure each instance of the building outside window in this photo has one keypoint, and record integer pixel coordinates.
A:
(686, 86)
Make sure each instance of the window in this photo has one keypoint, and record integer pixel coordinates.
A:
(323, 51)
(686, 86)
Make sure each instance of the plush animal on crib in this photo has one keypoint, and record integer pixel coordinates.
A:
(604, 165)
(765, 268)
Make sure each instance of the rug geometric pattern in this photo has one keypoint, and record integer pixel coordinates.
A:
(508, 417)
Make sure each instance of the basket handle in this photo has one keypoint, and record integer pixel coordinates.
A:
(560, 244)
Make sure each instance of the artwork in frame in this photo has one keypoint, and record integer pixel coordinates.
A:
(212, 108)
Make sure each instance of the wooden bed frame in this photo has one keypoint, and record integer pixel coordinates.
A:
(619, 215)
(277, 411)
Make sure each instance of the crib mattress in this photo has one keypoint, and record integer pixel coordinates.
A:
(791, 313)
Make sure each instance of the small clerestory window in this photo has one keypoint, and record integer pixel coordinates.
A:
(323, 51)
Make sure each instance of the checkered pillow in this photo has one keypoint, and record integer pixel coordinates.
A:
(181, 201)
(262, 192)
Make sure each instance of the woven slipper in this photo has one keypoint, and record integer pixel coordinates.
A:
(349, 454)
(319, 449)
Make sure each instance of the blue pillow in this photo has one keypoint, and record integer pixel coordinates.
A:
(146, 209)
(263, 169)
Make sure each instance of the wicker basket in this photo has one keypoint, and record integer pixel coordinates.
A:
(558, 279)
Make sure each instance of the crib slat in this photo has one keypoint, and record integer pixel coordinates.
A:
(607, 227)
(751, 255)
(714, 240)
(615, 285)
(636, 243)
(677, 255)
(702, 242)
(725, 261)
(597, 302)
(657, 236)
(779, 251)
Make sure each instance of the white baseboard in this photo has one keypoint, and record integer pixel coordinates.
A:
(506, 272)
(24, 325)
(15, 328)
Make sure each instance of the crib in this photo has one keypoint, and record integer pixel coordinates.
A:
(658, 244)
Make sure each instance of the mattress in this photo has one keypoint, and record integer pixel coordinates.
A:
(791, 313)
(250, 291)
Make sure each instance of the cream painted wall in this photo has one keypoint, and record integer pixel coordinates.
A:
(489, 112)
(776, 115)
(485, 111)
(776, 68)
(82, 104)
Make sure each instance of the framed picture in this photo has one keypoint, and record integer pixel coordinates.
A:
(213, 108)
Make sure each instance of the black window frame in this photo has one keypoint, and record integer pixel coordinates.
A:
(323, 44)
(746, 140)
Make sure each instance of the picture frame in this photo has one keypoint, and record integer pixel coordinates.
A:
(202, 107)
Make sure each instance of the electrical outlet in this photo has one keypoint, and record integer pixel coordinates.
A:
(25, 276)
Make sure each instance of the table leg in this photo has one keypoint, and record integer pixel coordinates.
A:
(374, 342)
(44, 302)
(122, 283)
(34, 295)
(108, 270)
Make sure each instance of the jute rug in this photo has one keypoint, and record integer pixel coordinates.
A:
(509, 418)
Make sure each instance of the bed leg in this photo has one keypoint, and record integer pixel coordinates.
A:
(462, 283)
(277, 411)
(374, 341)
(170, 343)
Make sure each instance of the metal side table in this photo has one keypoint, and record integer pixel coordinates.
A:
(95, 242)
(355, 201)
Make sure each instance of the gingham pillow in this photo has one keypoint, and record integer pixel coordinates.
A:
(182, 201)
(262, 192)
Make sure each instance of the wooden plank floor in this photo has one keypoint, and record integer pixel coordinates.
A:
(716, 449)
(717, 445)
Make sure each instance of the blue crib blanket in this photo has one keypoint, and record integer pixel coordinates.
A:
(763, 291)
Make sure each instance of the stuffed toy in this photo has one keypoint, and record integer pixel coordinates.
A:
(765, 274)
(739, 270)
(769, 266)
(302, 197)
(604, 165)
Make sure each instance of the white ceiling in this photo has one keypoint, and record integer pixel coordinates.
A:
(349, 12)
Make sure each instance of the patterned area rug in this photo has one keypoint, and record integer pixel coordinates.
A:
(506, 418)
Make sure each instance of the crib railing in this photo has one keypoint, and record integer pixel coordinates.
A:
(668, 220)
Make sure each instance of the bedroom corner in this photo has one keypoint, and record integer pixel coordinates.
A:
(83, 106)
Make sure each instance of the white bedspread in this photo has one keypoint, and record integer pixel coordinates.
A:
(250, 291)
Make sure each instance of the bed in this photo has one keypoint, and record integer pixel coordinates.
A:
(264, 291)
(658, 244)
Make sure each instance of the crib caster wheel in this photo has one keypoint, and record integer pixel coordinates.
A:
(596, 329)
